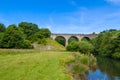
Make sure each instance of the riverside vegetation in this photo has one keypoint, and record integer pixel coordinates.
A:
(106, 44)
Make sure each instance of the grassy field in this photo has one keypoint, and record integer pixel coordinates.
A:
(33, 65)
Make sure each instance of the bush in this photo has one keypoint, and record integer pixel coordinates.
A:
(84, 60)
(43, 33)
(116, 55)
(73, 46)
(42, 41)
(79, 69)
(85, 47)
(27, 45)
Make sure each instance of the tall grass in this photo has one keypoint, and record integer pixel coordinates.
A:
(81, 64)
(33, 65)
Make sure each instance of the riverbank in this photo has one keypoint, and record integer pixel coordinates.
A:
(80, 65)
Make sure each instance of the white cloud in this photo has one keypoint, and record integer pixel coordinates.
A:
(116, 2)
(48, 26)
(84, 21)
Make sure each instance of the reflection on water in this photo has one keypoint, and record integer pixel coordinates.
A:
(107, 69)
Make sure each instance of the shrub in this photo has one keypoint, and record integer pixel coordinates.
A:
(42, 41)
(80, 69)
(73, 46)
(116, 55)
(84, 60)
(85, 47)
(27, 45)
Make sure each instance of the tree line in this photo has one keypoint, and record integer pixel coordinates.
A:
(21, 36)
(107, 44)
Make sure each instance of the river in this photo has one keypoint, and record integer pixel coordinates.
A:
(106, 69)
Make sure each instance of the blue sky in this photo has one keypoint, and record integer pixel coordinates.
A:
(63, 16)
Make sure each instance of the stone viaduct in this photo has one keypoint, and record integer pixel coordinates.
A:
(77, 36)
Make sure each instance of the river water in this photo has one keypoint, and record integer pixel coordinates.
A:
(106, 69)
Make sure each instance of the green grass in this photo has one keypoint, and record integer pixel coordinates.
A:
(32, 65)
(54, 45)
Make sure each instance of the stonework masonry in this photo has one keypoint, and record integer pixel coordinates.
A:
(78, 36)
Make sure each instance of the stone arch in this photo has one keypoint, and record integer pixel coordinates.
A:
(87, 38)
(62, 41)
(74, 38)
(78, 36)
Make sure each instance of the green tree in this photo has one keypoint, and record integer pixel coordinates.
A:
(108, 43)
(85, 39)
(44, 33)
(13, 38)
(29, 29)
(72, 39)
(2, 27)
(85, 47)
(116, 46)
(73, 46)
(1, 37)
(60, 40)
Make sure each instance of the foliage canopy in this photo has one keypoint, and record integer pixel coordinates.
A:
(22, 35)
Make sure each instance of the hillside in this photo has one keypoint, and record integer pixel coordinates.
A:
(50, 45)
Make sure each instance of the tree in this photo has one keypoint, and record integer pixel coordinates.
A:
(22, 35)
(60, 40)
(93, 33)
(108, 43)
(44, 33)
(1, 37)
(73, 46)
(85, 47)
(29, 29)
(116, 42)
(72, 39)
(2, 27)
(13, 38)
(85, 39)
(2, 30)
